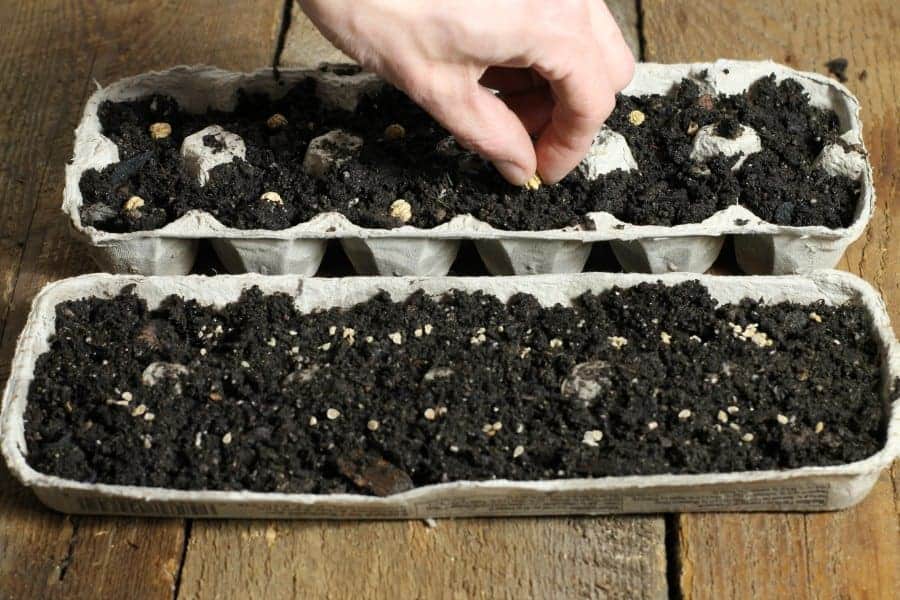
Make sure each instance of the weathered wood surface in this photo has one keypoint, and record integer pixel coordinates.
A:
(50, 54)
(855, 553)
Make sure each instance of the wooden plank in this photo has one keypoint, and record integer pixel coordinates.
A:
(466, 558)
(49, 55)
(305, 47)
(503, 558)
(854, 553)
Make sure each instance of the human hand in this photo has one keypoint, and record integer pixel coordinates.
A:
(557, 64)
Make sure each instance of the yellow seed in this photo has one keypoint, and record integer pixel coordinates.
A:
(133, 203)
(401, 210)
(272, 198)
(394, 132)
(636, 117)
(276, 121)
(160, 131)
(534, 183)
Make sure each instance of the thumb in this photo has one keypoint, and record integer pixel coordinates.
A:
(483, 123)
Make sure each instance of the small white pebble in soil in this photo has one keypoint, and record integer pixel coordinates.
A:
(325, 347)
(292, 332)
(127, 396)
(245, 364)
(332, 414)
(394, 132)
(442, 410)
(372, 425)
(272, 198)
(617, 341)
(735, 426)
(556, 343)
(226, 439)
(454, 449)
(160, 131)
(534, 183)
(369, 339)
(401, 210)
(148, 442)
(696, 338)
(430, 414)
(783, 420)
(396, 337)
(138, 410)
(750, 333)
(665, 337)
(428, 329)
(592, 437)
(497, 426)
(332, 330)
(479, 338)
(133, 203)
(149, 416)
(820, 427)
(518, 451)
(652, 425)
(636, 118)
(276, 121)
(815, 317)
(747, 437)
(198, 439)
(733, 410)
(348, 334)
(722, 416)
(202, 351)
(685, 414)
(525, 352)
(313, 421)
(520, 428)
(418, 332)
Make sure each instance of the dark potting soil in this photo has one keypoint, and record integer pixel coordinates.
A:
(780, 184)
(388, 395)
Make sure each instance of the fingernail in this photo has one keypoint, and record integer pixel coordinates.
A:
(512, 172)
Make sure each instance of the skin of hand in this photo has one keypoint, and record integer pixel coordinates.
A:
(557, 65)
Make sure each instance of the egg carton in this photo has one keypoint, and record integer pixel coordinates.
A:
(801, 489)
(761, 247)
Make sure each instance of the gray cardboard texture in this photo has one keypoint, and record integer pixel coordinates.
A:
(807, 488)
(761, 247)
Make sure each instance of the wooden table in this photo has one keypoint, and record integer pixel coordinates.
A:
(51, 54)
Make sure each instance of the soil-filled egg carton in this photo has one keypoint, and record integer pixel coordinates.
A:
(800, 489)
(761, 247)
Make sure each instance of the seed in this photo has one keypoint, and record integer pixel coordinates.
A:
(556, 343)
(815, 317)
(636, 117)
(372, 425)
(733, 410)
(396, 337)
(332, 330)
(820, 427)
(127, 397)
(479, 338)
(149, 416)
(497, 426)
(782, 419)
(348, 334)
(418, 332)
(401, 210)
(684, 414)
(272, 198)
(272, 342)
(518, 451)
(245, 364)
(665, 337)
(226, 439)
(215, 397)
(617, 341)
(147, 442)
(332, 414)
(428, 329)
(276, 121)
(325, 347)
(534, 183)
(394, 132)
(202, 351)
(133, 203)
(747, 437)
(160, 131)
(735, 426)
(454, 449)
(313, 421)
(139, 410)
(592, 437)
(369, 339)
(722, 416)
(430, 414)
(652, 425)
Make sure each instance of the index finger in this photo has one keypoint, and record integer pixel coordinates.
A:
(584, 100)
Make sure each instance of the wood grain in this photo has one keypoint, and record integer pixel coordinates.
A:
(854, 553)
(50, 54)
(466, 558)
